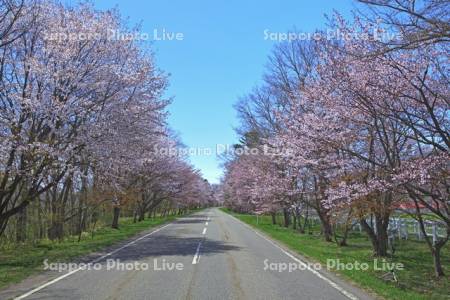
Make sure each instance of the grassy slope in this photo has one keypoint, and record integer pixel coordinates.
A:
(416, 281)
(22, 261)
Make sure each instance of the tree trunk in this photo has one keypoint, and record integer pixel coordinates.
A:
(327, 229)
(116, 214)
(94, 219)
(294, 221)
(305, 222)
(379, 239)
(135, 214)
(141, 215)
(343, 241)
(21, 228)
(41, 233)
(56, 229)
(55, 232)
(274, 218)
(287, 217)
(81, 226)
(438, 271)
(3, 224)
(382, 242)
(344, 238)
(434, 246)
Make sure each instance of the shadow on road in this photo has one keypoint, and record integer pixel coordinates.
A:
(192, 219)
(197, 216)
(167, 245)
(189, 221)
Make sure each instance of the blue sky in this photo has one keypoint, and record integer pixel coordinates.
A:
(220, 58)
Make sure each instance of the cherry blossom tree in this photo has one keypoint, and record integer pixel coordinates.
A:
(411, 23)
(82, 109)
(364, 120)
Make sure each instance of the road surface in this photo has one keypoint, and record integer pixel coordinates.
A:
(208, 255)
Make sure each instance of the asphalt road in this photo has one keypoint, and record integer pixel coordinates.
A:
(212, 256)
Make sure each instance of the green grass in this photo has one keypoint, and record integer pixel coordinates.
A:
(416, 281)
(19, 262)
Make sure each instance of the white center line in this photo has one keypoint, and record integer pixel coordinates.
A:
(196, 258)
(204, 230)
(206, 223)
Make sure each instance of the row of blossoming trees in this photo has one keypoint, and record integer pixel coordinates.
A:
(82, 124)
(352, 127)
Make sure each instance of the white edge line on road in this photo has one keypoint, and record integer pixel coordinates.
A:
(196, 258)
(93, 261)
(329, 281)
(204, 230)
